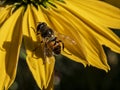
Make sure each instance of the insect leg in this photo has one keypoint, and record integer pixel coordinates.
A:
(63, 47)
(34, 50)
(37, 33)
(47, 53)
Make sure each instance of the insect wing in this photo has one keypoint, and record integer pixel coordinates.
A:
(65, 39)
(46, 50)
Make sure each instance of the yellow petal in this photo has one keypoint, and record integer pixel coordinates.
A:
(106, 37)
(4, 14)
(11, 37)
(49, 67)
(41, 71)
(102, 33)
(96, 11)
(51, 84)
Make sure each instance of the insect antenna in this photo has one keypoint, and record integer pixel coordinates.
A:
(33, 29)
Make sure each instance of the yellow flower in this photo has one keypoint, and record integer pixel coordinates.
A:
(87, 22)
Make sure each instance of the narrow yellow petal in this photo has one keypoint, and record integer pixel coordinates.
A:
(33, 64)
(106, 37)
(49, 67)
(41, 70)
(96, 11)
(51, 83)
(102, 33)
(10, 41)
(4, 14)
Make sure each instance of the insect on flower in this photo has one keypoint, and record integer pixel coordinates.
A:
(52, 45)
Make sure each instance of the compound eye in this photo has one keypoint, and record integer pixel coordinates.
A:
(38, 27)
(41, 26)
(44, 24)
(50, 32)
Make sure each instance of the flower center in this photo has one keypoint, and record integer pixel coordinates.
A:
(44, 3)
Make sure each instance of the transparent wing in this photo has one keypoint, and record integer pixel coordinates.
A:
(64, 38)
(47, 51)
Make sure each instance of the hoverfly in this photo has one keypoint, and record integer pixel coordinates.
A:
(52, 45)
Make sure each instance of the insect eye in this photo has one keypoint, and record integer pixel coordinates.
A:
(38, 28)
(41, 26)
(50, 32)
